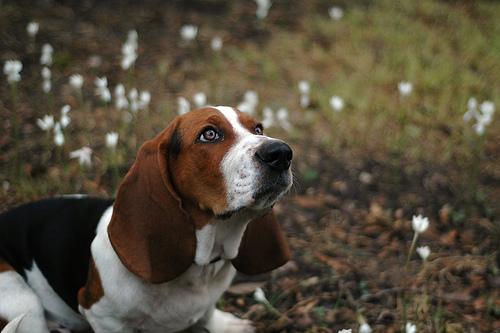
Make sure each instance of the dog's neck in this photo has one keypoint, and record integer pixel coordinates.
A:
(221, 238)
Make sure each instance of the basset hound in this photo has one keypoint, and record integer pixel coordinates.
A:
(195, 207)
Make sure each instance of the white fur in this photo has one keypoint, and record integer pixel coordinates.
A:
(223, 322)
(232, 117)
(205, 240)
(131, 303)
(20, 305)
(240, 169)
(54, 306)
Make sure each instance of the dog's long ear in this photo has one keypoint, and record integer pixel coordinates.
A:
(263, 247)
(149, 230)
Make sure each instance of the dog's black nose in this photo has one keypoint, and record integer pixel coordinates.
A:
(275, 154)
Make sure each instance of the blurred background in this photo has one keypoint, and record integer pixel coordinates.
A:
(388, 105)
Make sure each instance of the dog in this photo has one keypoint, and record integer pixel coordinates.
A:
(194, 208)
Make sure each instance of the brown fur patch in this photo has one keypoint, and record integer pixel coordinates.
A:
(246, 121)
(4, 266)
(93, 291)
(196, 170)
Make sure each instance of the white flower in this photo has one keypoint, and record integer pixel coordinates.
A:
(105, 95)
(304, 87)
(183, 106)
(469, 115)
(111, 140)
(335, 13)
(32, 29)
(121, 101)
(479, 128)
(260, 296)
(144, 99)
(102, 90)
(304, 90)
(471, 109)
(65, 109)
(76, 81)
(423, 252)
(345, 331)
(282, 118)
(472, 104)
(101, 82)
(129, 57)
(216, 43)
(251, 96)
(46, 86)
(304, 101)
(119, 90)
(65, 119)
(262, 8)
(46, 75)
(133, 94)
(133, 97)
(189, 32)
(200, 99)
(12, 69)
(58, 135)
(132, 36)
(419, 223)
(410, 328)
(365, 328)
(46, 57)
(129, 50)
(482, 121)
(483, 117)
(487, 108)
(405, 88)
(267, 117)
(83, 155)
(337, 103)
(250, 101)
(46, 123)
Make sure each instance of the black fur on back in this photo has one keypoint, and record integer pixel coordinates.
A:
(55, 233)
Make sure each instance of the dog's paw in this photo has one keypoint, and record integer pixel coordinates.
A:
(224, 322)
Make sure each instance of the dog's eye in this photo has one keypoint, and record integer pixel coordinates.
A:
(259, 130)
(209, 134)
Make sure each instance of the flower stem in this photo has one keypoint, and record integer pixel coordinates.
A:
(412, 248)
(272, 309)
(15, 131)
(113, 165)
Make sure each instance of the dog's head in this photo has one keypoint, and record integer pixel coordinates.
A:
(207, 165)
(221, 160)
